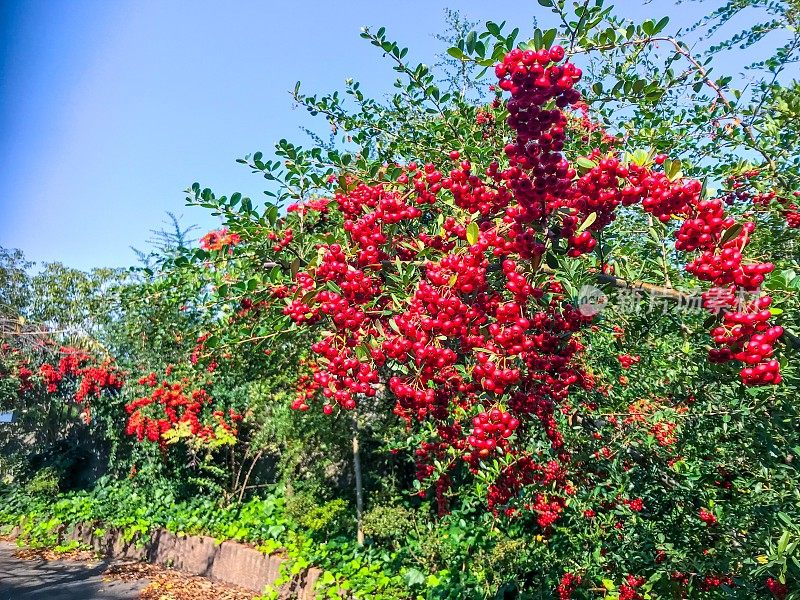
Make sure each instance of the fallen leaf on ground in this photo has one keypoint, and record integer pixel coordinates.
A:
(168, 584)
(46, 554)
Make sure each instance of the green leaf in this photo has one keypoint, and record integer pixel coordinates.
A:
(432, 581)
(512, 37)
(588, 222)
(546, 3)
(414, 577)
(783, 542)
(585, 163)
(672, 169)
(456, 53)
(548, 37)
(730, 233)
(472, 233)
(640, 157)
(272, 214)
(393, 324)
(471, 39)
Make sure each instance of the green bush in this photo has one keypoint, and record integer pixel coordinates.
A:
(388, 525)
(44, 483)
(316, 517)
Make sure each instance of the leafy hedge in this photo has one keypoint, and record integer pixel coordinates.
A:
(271, 523)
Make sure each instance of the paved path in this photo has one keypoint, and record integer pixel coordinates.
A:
(59, 580)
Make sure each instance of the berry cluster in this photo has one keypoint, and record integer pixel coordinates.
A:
(471, 193)
(635, 504)
(705, 228)
(627, 361)
(316, 205)
(628, 590)
(283, 241)
(745, 187)
(490, 432)
(219, 239)
(538, 172)
(94, 380)
(345, 376)
(707, 517)
(665, 197)
(175, 406)
(746, 335)
(76, 374)
(712, 581)
(793, 216)
(778, 590)
(567, 586)
(721, 243)
(520, 474)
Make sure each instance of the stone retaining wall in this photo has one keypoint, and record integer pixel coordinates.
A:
(228, 562)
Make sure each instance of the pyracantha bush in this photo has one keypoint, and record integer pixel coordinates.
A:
(68, 373)
(438, 286)
(173, 409)
(482, 346)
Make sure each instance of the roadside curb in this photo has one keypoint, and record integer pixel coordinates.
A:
(227, 562)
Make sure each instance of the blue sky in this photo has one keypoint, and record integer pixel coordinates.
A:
(109, 109)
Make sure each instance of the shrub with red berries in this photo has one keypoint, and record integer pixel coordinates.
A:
(172, 409)
(437, 277)
(62, 374)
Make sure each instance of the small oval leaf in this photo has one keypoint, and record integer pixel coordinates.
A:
(588, 222)
(472, 233)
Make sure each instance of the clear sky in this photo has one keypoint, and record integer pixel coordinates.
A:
(110, 108)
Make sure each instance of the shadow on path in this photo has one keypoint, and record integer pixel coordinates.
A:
(59, 580)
